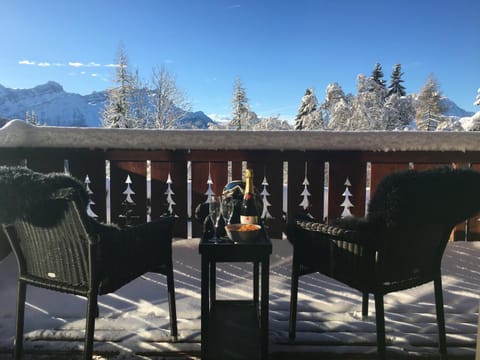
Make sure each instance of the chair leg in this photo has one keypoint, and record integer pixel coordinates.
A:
(380, 321)
(293, 304)
(92, 308)
(172, 305)
(442, 337)
(21, 297)
(365, 305)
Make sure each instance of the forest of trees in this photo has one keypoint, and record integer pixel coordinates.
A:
(375, 107)
(160, 104)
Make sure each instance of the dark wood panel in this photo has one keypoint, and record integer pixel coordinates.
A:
(119, 170)
(92, 163)
(159, 204)
(200, 171)
(272, 171)
(380, 170)
(315, 173)
(339, 172)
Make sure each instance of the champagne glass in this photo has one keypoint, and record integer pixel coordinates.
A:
(228, 207)
(214, 208)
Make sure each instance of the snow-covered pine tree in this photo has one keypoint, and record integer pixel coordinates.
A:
(240, 107)
(337, 107)
(377, 75)
(399, 111)
(368, 105)
(396, 81)
(272, 123)
(308, 116)
(116, 113)
(477, 100)
(31, 118)
(429, 109)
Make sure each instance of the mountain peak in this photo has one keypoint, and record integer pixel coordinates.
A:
(50, 86)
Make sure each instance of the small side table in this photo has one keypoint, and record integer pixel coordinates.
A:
(236, 329)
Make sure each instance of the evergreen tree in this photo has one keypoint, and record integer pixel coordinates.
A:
(399, 111)
(368, 105)
(429, 107)
(31, 118)
(377, 75)
(477, 100)
(396, 86)
(272, 123)
(241, 110)
(337, 107)
(308, 116)
(116, 113)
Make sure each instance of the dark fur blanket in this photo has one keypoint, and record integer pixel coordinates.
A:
(40, 198)
(440, 195)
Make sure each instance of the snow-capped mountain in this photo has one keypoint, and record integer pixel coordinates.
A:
(52, 105)
(452, 109)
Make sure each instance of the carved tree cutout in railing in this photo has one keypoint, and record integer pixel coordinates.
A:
(128, 204)
(209, 192)
(265, 213)
(305, 203)
(346, 204)
(90, 212)
(169, 192)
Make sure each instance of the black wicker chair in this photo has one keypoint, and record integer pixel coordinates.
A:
(397, 246)
(58, 247)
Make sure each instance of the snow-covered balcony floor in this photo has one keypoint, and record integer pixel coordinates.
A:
(133, 322)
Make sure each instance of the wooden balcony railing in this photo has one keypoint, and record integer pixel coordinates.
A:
(172, 169)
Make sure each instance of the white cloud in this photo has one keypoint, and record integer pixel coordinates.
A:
(26, 62)
(75, 64)
(112, 65)
(44, 64)
(93, 64)
(94, 75)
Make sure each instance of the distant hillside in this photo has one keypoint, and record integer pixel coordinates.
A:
(53, 106)
(453, 109)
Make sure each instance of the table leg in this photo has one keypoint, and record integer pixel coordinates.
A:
(255, 282)
(264, 307)
(213, 282)
(204, 307)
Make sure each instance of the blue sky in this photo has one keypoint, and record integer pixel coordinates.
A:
(277, 48)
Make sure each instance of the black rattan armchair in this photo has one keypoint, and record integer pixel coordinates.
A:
(58, 247)
(397, 246)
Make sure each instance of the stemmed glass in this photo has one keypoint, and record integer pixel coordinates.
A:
(228, 206)
(214, 208)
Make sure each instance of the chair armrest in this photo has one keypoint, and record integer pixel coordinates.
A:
(337, 233)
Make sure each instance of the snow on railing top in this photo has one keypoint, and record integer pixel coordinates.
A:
(18, 134)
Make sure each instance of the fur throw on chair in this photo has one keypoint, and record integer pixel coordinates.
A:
(40, 198)
(440, 195)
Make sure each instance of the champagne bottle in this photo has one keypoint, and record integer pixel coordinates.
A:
(248, 210)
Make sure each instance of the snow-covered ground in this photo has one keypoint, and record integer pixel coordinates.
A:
(134, 320)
